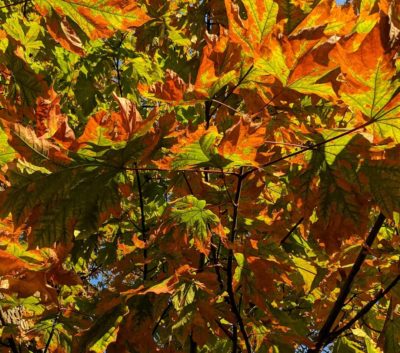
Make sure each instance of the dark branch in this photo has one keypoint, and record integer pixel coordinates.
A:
(212, 171)
(229, 281)
(308, 148)
(193, 344)
(325, 332)
(13, 4)
(286, 237)
(143, 224)
(164, 313)
(364, 310)
(232, 90)
(53, 328)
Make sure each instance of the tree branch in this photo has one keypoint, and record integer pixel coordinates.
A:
(194, 170)
(308, 148)
(53, 327)
(364, 310)
(13, 4)
(232, 90)
(163, 314)
(117, 64)
(229, 281)
(143, 224)
(325, 333)
(193, 344)
(286, 237)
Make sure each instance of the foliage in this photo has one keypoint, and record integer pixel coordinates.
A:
(199, 176)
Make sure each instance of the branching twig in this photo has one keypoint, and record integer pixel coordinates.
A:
(229, 281)
(232, 90)
(308, 148)
(325, 332)
(364, 310)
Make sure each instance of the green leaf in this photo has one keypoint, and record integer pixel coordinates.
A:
(307, 271)
(80, 196)
(193, 213)
(392, 335)
(98, 19)
(240, 260)
(199, 153)
(384, 180)
(7, 153)
(104, 331)
(28, 83)
(334, 148)
(345, 345)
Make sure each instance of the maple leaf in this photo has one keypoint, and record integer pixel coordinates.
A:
(369, 85)
(240, 192)
(241, 142)
(97, 20)
(216, 70)
(172, 89)
(25, 141)
(250, 33)
(63, 32)
(192, 213)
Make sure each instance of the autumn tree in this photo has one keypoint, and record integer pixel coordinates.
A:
(199, 176)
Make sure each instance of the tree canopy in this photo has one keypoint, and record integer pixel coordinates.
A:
(199, 176)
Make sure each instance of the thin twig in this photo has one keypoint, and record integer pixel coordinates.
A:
(53, 328)
(163, 314)
(369, 326)
(232, 90)
(225, 105)
(212, 171)
(25, 8)
(308, 148)
(187, 183)
(286, 237)
(117, 64)
(143, 224)
(224, 329)
(193, 344)
(13, 4)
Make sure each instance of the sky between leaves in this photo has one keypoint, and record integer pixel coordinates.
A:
(199, 176)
